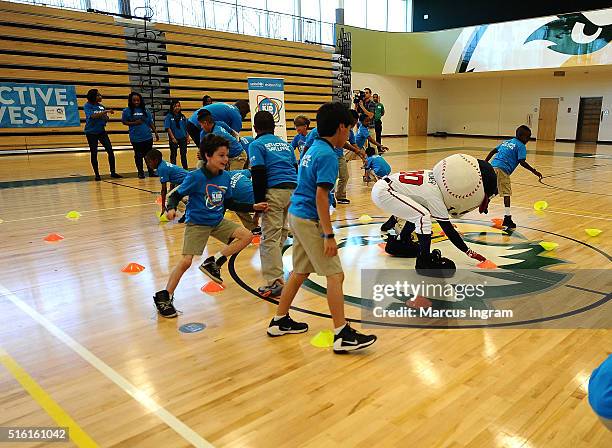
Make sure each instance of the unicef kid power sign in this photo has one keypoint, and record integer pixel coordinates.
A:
(269, 94)
(38, 105)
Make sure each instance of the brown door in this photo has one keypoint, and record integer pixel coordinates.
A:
(417, 116)
(547, 121)
(589, 117)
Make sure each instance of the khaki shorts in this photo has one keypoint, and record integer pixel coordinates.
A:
(196, 236)
(504, 187)
(308, 251)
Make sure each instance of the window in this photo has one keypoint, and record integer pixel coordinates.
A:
(355, 13)
(396, 15)
(376, 15)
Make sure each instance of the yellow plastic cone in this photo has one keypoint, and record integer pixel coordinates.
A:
(540, 205)
(548, 245)
(73, 215)
(365, 218)
(590, 232)
(323, 339)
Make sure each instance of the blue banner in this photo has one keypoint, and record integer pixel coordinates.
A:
(271, 84)
(38, 105)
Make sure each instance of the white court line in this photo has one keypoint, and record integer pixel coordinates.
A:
(143, 398)
(84, 211)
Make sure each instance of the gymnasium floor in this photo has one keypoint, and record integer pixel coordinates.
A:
(81, 345)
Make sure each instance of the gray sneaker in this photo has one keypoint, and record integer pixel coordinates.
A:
(273, 291)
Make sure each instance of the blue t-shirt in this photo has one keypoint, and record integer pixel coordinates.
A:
(600, 389)
(171, 173)
(180, 130)
(246, 142)
(509, 153)
(318, 166)
(298, 140)
(242, 186)
(94, 125)
(141, 132)
(351, 137)
(206, 196)
(313, 135)
(225, 115)
(235, 147)
(277, 156)
(362, 135)
(379, 165)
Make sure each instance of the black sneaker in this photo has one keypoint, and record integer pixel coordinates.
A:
(349, 340)
(153, 174)
(182, 219)
(141, 175)
(164, 305)
(256, 231)
(389, 224)
(343, 201)
(508, 222)
(98, 178)
(116, 176)
(286, 325)
(435, 265)
(210, 268)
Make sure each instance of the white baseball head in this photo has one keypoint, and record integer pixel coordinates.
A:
(460, 180)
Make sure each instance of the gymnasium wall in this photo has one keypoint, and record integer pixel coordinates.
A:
(49, 45)
(488, 105)
(394, 92)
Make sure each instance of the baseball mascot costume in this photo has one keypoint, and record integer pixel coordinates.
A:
(457, 184)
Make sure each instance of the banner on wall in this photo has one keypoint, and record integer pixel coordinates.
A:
(269, 94)
(38, 105)
(566, 40)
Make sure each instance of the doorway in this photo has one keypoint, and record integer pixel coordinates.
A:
(589, 117)
(547, 120)
(417, 116)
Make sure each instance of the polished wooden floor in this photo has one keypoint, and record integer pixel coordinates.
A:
(78, 333)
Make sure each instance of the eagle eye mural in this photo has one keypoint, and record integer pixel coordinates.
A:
(568, 40)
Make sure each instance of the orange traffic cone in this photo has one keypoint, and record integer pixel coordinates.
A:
(53, 238)
(133, 268)
(487, 264)
(212, 287)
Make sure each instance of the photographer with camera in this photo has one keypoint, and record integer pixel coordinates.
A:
(364, 104)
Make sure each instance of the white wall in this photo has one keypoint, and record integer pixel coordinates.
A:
(490, 106)
(395, 91)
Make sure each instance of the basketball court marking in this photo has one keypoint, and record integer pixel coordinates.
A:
(606, 296)
(50, 406)
(137, 394)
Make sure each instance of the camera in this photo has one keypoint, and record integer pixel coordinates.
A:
(358, 95)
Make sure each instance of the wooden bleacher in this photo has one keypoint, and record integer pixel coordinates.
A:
(49, 45)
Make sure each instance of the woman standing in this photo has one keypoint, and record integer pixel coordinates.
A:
(176, 127)
(96, 116)
(140, 122)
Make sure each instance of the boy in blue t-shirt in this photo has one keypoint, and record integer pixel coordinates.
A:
(375, 164)
(141, 128)
(301, 124)
(210, 194)
(237, 154)
(314, 247)
(175, 125)
(363, 135)
(242, 191)
(167, 172)
(274, 170)
(227, 116)
(600, 392)
(508, 156)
